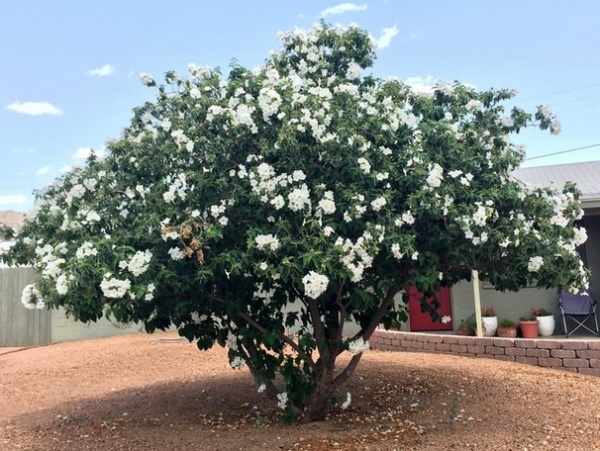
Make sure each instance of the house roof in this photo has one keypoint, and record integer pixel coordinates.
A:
(586, 175)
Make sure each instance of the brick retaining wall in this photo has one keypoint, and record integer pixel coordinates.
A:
(579, 356)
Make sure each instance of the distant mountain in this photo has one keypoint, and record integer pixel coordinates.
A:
(11, 218)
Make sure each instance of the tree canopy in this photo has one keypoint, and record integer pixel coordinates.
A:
(265, 209)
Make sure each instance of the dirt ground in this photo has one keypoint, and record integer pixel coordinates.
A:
(134, 393)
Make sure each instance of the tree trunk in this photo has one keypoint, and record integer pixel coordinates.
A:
(318, 404)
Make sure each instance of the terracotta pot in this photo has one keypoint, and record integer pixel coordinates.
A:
(463, 331)
(529, 329)
(507, 332)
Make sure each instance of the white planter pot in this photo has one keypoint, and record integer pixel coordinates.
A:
(491, 325)
(546, 325)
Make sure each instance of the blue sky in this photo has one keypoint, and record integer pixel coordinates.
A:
(70, 69)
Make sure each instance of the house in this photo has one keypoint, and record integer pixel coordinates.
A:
(460, 301)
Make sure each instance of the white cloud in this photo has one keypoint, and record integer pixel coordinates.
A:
(24, 151)
(104, 71)
(83, 153)
(65, 168)
(42, 171)
(386, 37)
(342, 8)
(13, 199)
(35, 108)
(422, 85)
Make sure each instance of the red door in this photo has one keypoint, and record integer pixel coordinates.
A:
(420, 321)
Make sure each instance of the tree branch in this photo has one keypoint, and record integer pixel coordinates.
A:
(264, 331)
(348, 371)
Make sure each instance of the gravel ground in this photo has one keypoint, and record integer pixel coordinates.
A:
(132, 393)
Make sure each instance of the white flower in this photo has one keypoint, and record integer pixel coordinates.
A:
(115, 288)
(327, 230)
(278, 202)
(358, 346)
(535, 263)
(223, 220)
(31, 298)
(415, 255)
(353, 71)
(327, 204)
(237, 362)
(436, 174)
(580, 236)
(378, 203)
(146, 79)
(347, 402)
(555, 127)
(86, 249)
(282, 400)
(315, 284)
(149, 292)
(176, 254)
(396, 251)
(62, 286)
(139, 262)
(298, 198)
(446, 319)
(364, 165)
(269, 242)
(261, 388)
(474, 105)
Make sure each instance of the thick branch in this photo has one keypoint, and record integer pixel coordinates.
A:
(342, 311)
(319, 329)
(348, 371)
(380, 313)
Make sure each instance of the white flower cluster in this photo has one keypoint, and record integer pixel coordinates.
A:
(315, 284)
(232, 341)
(149, 292)
(269, 99)
(178, 188)
(86, 249)
(176, 254)
(535, 263)
(356, 258)
(77, 191)
(282, 400)
(555, 126)
(31, 298)
(358, 346)
(138, 264)
(436, 175)
(114, 288)
(182, 141)
(327, 204)
(237, 362)
(298, 198)
(378, 203)
(62, 285)
(358, 210)
(269, 242)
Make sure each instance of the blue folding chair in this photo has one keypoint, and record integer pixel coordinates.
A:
(578, 307)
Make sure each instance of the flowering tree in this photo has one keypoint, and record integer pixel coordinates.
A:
(297, 197)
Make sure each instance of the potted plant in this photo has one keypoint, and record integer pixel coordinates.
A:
(529, 326)
(463, 328)
(546, 321)
(489, 319)
(507, 328)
